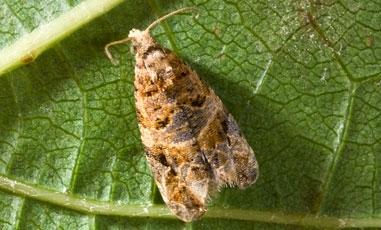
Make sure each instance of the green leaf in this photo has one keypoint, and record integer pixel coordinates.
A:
(302, 80)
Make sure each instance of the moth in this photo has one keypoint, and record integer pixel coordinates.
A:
(192, 143)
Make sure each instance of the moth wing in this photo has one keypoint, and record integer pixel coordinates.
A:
(223, 144)
(192, 143)
(179, 167)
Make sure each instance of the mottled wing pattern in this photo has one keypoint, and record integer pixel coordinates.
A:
(192, 143)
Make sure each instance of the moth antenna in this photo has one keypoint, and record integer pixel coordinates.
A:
(157, 21)
(107, 50)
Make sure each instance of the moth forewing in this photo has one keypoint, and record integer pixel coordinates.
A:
(192, 143)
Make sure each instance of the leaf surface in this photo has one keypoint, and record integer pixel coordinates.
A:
(302, 79)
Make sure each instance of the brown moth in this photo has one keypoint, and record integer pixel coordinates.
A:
(192, 143)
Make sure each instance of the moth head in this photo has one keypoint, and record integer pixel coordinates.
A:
(141, 39)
